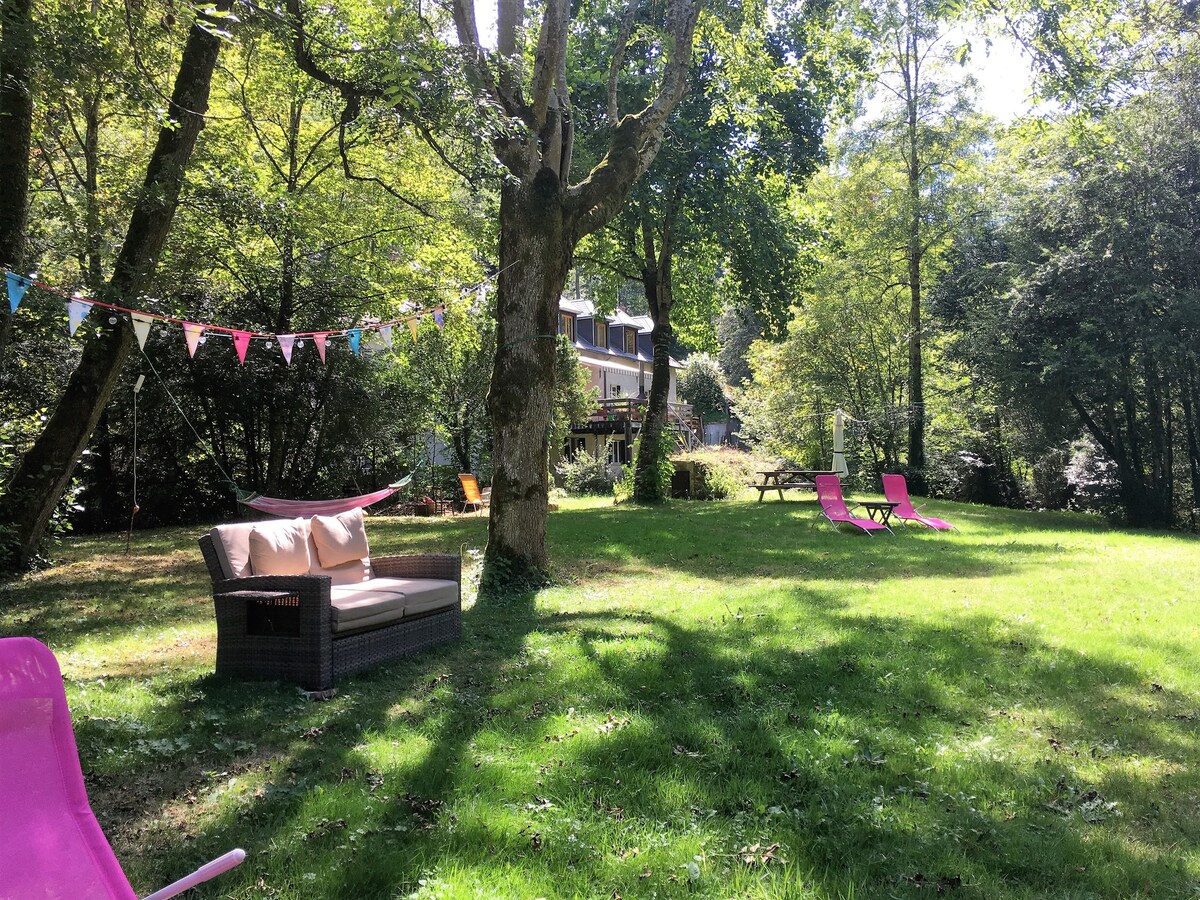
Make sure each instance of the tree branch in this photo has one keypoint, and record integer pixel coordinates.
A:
(618, 59)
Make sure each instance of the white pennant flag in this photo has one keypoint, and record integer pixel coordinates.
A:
(385, 332)
(285, 345)
(191, 333)
(77, 311)
(141, 327)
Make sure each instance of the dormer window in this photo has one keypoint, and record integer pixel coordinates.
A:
(566, 325)
(631, 341)
(601, 335)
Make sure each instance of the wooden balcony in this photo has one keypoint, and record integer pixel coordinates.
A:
(621, 413)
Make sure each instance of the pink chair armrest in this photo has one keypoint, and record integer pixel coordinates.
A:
(208, 870)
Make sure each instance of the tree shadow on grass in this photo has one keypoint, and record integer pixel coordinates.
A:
(591, 753)
(765, 543)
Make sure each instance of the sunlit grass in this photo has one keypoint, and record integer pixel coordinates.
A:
(714, 700)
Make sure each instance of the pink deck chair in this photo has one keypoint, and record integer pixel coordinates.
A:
(895, 488)
(833, 505)
(51, 846)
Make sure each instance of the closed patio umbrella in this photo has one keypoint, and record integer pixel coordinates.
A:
(839, 443)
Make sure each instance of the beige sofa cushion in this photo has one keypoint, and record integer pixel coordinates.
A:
(340, 539)
(375, 602)
(232, 545)
(383, 600)
(279, 548)
(422, 595)
(354, 572)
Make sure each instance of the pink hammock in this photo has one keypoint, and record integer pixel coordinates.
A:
(291, 509)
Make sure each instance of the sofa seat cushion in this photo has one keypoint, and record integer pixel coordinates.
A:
(384, 600)
(422, 595)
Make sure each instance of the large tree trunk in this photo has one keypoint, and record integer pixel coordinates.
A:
(535, 256)
(16, 114)
(656, 279)
(45, 470)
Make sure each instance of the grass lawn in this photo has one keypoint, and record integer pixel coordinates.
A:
(716, 700)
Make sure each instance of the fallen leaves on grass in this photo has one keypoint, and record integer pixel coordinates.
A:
(757, 855)
(611, 724)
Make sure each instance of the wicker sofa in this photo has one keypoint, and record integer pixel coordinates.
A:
(322, 623)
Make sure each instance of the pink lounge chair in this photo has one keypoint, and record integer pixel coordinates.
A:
(833, 505)
(53, 847)
(895, 488)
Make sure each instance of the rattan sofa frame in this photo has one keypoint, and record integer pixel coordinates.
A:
(278, 627)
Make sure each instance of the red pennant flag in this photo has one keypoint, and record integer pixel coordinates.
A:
(319, 339)
(241, 340)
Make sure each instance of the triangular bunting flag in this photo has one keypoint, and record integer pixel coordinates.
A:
(385, 332)
(319, 339)
(286, 341)
(191, 334)
(440, 318)
(412, 328)
(141, 327)
(77, 311)
(355, 336)
(17, 286)
(241, 340)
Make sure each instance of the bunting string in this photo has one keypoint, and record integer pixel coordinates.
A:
(196, 333)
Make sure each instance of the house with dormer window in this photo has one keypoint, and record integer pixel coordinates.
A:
(619, 358)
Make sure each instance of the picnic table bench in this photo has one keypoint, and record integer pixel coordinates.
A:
(781, 480)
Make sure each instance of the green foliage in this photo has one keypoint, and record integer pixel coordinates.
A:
(702, 384)
(574, 398)
(586, 474)
(1087, 315)
(650, 484)
(719, 482)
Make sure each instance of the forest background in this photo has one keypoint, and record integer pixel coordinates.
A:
(1008, 311)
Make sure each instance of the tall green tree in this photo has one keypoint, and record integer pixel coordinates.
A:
(1098, 311)
(716, 196)
(45, 470)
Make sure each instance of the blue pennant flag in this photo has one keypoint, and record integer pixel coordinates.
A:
(355, 336)
(17, 286)
(440, 318)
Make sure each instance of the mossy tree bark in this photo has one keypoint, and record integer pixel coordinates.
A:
(45, 470)
(656, 280)
(542, 219)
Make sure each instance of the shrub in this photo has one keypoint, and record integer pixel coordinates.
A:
(586, 474)
(718, 482)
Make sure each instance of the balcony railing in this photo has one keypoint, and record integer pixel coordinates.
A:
(619, 409)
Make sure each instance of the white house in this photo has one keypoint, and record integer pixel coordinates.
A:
(618, 355)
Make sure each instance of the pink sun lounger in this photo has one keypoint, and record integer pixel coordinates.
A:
(895, 488)
(53, 848)
(833, 505)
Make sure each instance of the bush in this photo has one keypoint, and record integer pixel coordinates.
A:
(623, 486)
(586, 474)
(719, 482)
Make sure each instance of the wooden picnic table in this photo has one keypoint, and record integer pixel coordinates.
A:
(781, 480)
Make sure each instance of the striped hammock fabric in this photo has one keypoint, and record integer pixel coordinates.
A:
(291, 509)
